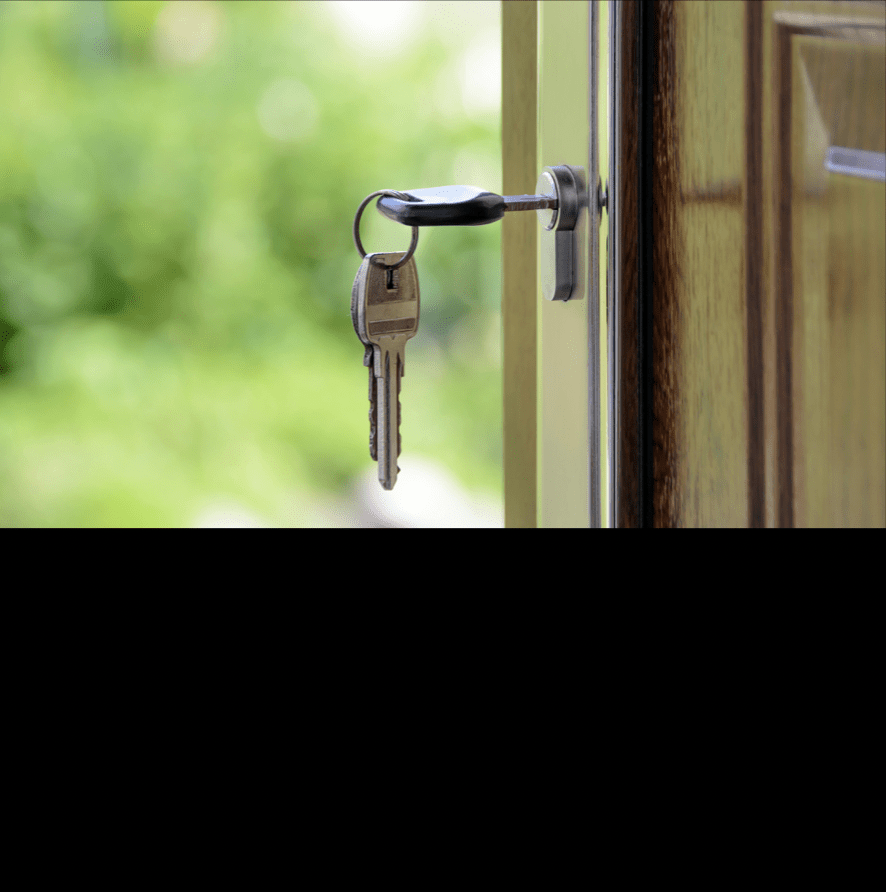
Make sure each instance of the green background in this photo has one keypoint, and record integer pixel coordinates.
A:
(177, 188)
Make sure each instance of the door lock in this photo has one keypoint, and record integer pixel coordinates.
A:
(560, 199)
(558, 232)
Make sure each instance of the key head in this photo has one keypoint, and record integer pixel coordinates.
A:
(386, 301)
(444, 206)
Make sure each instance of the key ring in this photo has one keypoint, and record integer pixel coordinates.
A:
(392, 194)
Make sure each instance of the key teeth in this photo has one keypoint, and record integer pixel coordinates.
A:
(373, 417)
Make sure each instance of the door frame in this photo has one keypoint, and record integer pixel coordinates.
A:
(551, 350)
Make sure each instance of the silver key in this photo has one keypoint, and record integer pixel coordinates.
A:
(385, 312)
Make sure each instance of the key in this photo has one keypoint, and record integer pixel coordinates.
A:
(561, 193)
(385, 312)
(461, 205)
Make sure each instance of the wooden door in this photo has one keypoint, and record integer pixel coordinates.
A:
(752, 275)
(746, 302)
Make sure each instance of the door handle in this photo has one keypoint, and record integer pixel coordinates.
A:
(856, 163)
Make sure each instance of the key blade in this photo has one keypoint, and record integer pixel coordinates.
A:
(389, 416)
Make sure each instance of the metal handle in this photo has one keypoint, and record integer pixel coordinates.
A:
(856, 163)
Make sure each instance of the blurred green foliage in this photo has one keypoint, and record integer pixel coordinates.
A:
(177, 187)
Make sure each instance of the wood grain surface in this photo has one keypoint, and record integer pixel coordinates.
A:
(625, 184)
(519, 234)
(699, 305)
(832, 92)
(762, 275)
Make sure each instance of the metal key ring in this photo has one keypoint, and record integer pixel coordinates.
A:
(393, 194)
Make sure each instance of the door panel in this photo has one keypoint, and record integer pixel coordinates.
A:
(702, 457)
(760, 379)
(832, 451)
